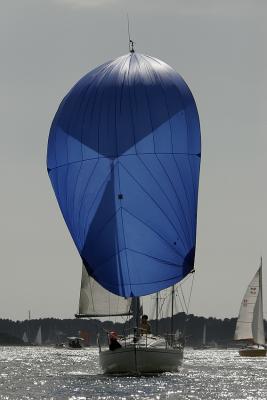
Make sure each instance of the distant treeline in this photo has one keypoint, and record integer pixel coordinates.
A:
(57, 330)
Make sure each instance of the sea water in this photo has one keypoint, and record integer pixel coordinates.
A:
(50, 373)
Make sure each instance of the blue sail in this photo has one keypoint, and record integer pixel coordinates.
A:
(123, 158)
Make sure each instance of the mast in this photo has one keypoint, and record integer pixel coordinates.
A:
(157, 312)
(258, 323)
(172, 308)
(136, 312)
(131, 42)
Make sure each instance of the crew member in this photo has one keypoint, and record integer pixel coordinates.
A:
(113, 341)
(145, 325)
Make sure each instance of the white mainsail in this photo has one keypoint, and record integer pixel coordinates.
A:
(249, 324)
(38, 338)
(97, 301)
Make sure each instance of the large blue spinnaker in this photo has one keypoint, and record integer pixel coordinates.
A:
(124, 158)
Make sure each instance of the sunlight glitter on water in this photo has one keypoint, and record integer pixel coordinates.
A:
(47, 373)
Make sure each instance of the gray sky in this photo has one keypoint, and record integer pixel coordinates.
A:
(219, 47)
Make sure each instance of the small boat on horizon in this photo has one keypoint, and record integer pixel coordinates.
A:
(74, 343)
(203, 345)
(38, 341)
(250, 324)
(25, 338)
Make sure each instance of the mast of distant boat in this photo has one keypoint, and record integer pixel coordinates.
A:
(172, 311)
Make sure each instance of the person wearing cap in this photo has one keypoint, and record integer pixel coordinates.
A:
(113, 341)
(145, 327)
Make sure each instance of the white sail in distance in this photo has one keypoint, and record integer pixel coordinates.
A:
(249, 324)
(95, 301)
(25, 338)
(38, 338)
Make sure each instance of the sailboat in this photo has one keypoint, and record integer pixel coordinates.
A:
(25, 338)
(250, 324)
(203, 345)
(123, 159)
(138, 353)
(38, 337)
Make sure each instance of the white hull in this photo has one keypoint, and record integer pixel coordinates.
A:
(137, 361)
(253, 351)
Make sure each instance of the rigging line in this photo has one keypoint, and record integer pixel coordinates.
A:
(131, 42)
(184, 299)
(161, 307)
(91, 292)
(185, 279)
(176, 304)
(180, 300)
(129, 36)
(188, 305)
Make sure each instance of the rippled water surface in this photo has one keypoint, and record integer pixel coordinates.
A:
(49, 373)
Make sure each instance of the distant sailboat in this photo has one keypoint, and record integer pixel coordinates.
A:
(38, 338)
(25, 338)
(250, 325)
(203, 345)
